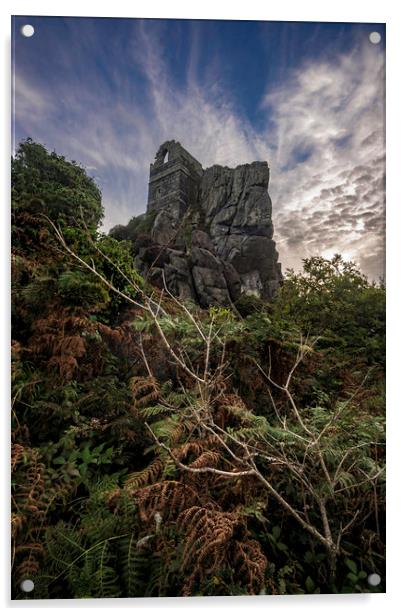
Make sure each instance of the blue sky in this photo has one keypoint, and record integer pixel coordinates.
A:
(307, 97)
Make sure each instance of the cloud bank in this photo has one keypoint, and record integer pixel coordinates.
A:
(330, 160)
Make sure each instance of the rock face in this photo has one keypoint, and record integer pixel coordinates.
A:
(211, 230)
(237, 210)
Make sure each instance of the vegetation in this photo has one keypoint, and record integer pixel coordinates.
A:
(136, 226)
(159, 449)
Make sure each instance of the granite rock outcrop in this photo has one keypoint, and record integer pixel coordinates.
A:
(209, 233)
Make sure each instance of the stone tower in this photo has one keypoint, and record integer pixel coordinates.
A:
(174, 182)
(174, 177)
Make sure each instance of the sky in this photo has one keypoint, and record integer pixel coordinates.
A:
(307, 97)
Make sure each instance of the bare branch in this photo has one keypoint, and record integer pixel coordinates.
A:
(204, 469)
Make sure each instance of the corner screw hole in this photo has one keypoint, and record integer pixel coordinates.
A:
(27, 585)
(375, 38)
(27, 30)
(374, 579)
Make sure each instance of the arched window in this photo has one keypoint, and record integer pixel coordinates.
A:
(162, 155)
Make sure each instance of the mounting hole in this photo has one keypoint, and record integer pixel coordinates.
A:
(27, 30)
(27, 585)
(374, 579)
(375, 37)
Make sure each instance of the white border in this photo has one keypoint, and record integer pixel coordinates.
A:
(307, 10)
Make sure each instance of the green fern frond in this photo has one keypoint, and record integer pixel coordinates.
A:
(94, 575)
(152, 411)
(63, 544)
(172, 428)
(158, 577)
(134, 560)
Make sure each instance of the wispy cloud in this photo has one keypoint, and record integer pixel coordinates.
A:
(31, 105)
(323, 136)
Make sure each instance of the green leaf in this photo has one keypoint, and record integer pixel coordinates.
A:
(352, 577)
(310, 586)
(86, 455)
(351, 565)
(59, 460)
(276, 531)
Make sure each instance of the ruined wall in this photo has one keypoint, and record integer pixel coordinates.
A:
(213, 226)
(174, 181)
(174, 176)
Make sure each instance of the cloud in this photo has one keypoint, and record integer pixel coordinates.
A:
(325, 147)
(331, 108)
(323, 135)
(30, 105)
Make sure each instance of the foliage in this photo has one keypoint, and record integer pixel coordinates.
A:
(138, 225)
(43, 182)
(333, 300)
(159, 449)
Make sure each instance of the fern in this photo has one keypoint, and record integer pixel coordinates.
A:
(210, 545)
(64, 546)
(152, 411)
(251, 564)
(168, 498)
(94, 573)
(206, 458)
(169, 428)
(144, 390)
(104, 576)
(158, 576)
(134, 562)
(148, 475)
(195, 447)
